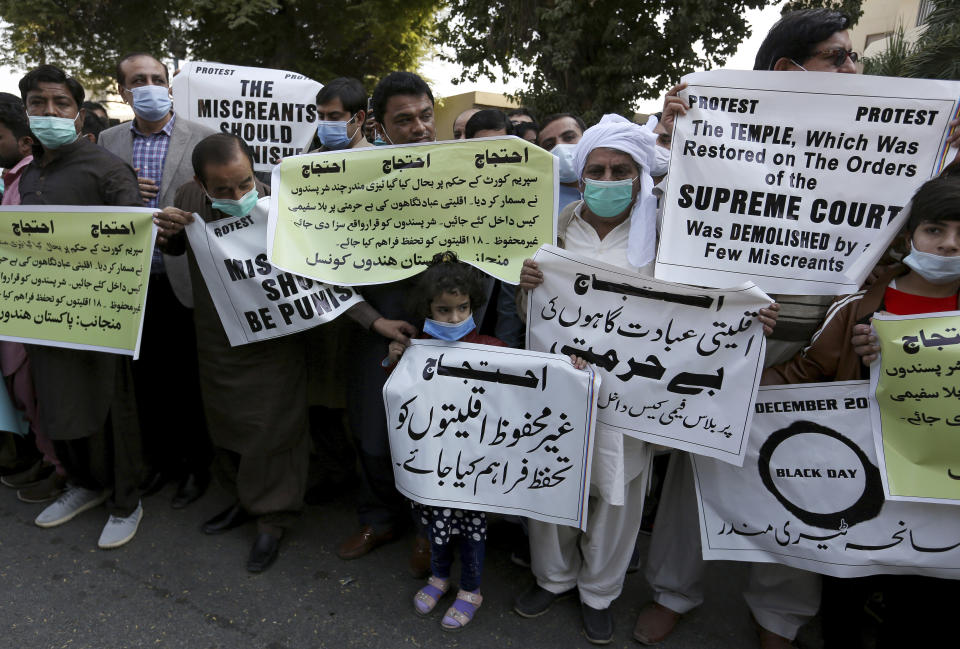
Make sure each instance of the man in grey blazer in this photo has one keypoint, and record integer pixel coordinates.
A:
(158, 144)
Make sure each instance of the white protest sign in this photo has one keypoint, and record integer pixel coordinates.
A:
(256, 301)
(809, 494)
(680, 364)
(274, 111)
(797, 182)
(492, 428)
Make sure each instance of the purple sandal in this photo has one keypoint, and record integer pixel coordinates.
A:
(427, 597)
(462, 611)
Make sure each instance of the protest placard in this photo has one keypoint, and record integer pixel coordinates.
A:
(75, 277)
(477, 427)
(680, 364)
(274, 111)
(797, 182)
(915, 406)
(254, 300)
(809, 494)
(376, 215)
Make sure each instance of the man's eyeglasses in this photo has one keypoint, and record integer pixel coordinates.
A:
(839, 55)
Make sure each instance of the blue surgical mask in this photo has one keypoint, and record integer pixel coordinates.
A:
(151, 103)
(232, 207)
(936, 269)
(608, 198)
(333, 135)
(54, 132)
(447, 331)
(564, 153)
(378, 141)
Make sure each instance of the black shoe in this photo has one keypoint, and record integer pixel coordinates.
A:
(231, 517)
(154, 483)
(263, 553)
(190, 489)
(536, 601)
(597, 624)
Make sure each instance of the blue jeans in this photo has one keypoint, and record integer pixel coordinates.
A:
(471, 560)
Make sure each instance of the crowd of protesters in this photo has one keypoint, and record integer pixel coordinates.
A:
(284, 421)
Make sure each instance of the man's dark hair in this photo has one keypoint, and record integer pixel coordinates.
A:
(488, 119)
(348, 90)
(50, 74)
(936, 200)
(795, 34)
(93, 105)
(134, 55)
(523, 110)
(14, 118)
(92, 124)
(523, 128)
(7, 98)
(556, 116)
(447, 274)
(218, 149)
(397, 83)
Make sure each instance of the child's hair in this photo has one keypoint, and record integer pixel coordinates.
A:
(936, 200)
(447, 274)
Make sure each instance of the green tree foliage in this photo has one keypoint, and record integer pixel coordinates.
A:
(321, 39)
(891, 62)
(937, 51)
(934, 55)
(592, 56)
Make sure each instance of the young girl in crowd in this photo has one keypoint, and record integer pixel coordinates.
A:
(927, 281)
(447, 294)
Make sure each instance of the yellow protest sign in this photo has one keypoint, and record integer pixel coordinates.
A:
(377, 215)
(75, 276)
(916, 406)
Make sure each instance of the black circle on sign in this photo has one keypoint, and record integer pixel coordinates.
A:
(867, 507)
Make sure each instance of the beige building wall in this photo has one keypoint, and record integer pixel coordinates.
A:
(448, 108)
(880, 19)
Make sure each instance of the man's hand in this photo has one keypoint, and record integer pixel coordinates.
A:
(865, 343)
(673, 105)
(530, 275)
(148, 188)
(170, 222)
(398, 330)
(768, 318)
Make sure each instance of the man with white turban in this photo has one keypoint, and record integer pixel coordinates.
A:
(616, 222)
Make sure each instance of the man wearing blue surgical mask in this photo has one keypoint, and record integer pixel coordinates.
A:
(85, 398)
(341, 112)
(158, 144)
(255, 395)
(559, 135)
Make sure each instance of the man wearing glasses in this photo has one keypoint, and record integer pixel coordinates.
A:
(158, 144)
(780, 598)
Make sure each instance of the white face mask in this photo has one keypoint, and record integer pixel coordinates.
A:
(564, 153)
(662, 161)
(936, 269)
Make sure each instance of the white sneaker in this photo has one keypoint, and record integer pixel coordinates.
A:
(120, 529)
(73, 501)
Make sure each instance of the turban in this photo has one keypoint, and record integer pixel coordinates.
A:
(617, 132)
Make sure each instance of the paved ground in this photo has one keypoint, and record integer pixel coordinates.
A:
(174, 587)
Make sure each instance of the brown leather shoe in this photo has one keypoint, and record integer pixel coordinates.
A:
(654, 624)
(363, 542)
(420, 558)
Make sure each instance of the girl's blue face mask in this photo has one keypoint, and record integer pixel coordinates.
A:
(447, 331)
